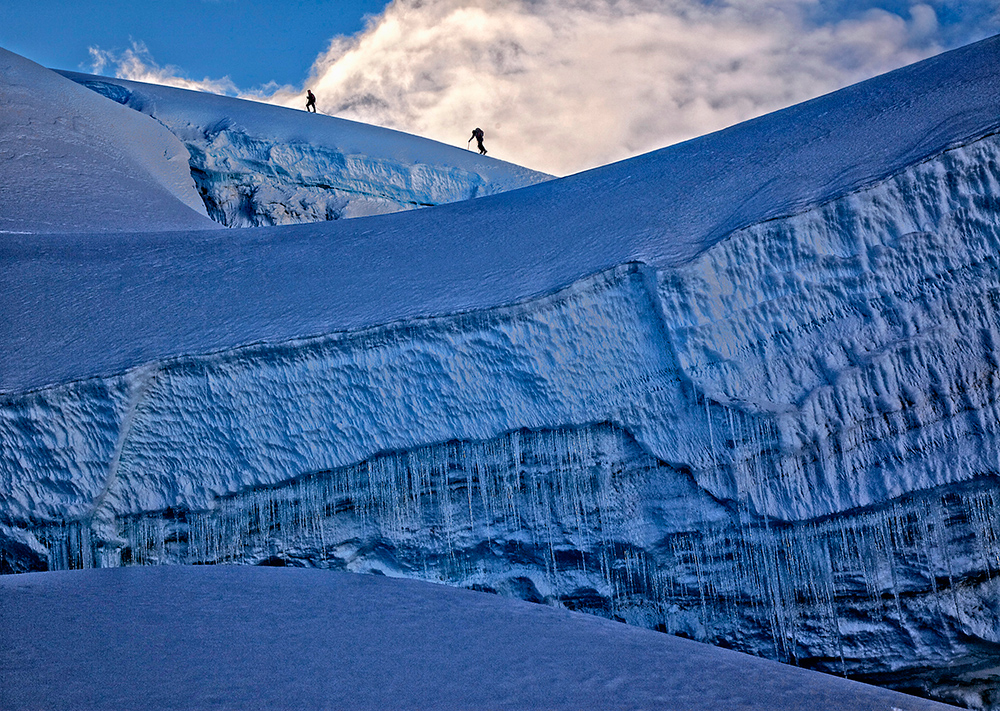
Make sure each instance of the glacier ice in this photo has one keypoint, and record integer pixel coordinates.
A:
(788, 444)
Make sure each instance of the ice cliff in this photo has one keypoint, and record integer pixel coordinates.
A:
(742, 389)
(257, 164)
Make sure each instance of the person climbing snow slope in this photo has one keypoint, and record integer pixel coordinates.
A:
(477, 133)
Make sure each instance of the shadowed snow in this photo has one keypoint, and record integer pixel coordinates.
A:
(243, 637)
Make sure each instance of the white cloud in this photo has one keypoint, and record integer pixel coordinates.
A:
(564, 85)
(136, 63)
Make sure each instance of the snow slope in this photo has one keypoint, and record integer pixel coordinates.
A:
(73, 162)
(662, 209)
(257, 164)
(238, 638)
(744, 388)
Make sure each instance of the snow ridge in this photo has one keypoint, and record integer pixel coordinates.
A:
(299, 168)
(202, 292)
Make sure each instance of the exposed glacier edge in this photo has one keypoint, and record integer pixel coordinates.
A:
(788, 443)
(257, 164)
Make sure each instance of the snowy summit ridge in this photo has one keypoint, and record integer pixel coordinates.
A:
(258, 164)
(744, 388)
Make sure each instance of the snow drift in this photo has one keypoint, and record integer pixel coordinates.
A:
(744, 389)
(70, 162)
(231, 637)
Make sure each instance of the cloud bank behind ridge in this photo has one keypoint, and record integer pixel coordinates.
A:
(566, 85)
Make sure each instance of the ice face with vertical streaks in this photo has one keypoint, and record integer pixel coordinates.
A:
(788, 444)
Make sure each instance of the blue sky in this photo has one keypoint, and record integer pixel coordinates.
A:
(250, 41)
(558, 85)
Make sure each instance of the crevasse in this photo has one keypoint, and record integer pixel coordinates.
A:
(787, 444)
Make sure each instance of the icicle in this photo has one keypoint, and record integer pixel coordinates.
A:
(529, 502)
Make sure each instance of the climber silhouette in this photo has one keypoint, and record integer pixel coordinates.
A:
(310, 101)
(478, 135)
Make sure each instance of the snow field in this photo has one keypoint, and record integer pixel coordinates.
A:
(237, 637)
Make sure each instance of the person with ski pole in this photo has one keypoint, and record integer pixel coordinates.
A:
(477, 133)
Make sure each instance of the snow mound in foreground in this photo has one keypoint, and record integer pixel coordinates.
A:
(258, 164)
(71, 161)
(239, 637)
